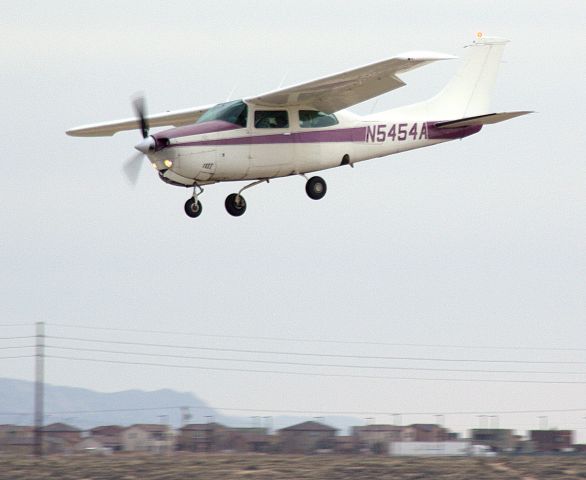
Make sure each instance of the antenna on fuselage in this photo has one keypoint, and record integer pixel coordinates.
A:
(282, 80)
(231, 92)
(374, 104)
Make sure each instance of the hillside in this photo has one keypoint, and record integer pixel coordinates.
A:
(87, 408)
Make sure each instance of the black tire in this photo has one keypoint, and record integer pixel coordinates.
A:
(316, 188)
(193, 209)
(235, 204)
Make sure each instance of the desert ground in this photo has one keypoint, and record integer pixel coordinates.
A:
(291, 467)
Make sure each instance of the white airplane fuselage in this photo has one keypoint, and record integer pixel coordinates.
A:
(306, 127)
(216, 150)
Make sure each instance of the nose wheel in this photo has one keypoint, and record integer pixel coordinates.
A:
(193, 206)
(316, 188)
(235, 204)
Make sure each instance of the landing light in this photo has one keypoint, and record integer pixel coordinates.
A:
(154, 165)
(168, 163)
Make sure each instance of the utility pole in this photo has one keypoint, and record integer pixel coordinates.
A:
(39, 387)
(268, 424)
(397, 419)
(496, 421)
(185, 416)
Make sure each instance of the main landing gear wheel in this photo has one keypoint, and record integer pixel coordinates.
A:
(316, 188)
(235, 204)
(193, 208)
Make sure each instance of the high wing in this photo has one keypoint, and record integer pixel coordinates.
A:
(342, 90)
(174, 118)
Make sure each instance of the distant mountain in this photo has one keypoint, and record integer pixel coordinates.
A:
(86, 408)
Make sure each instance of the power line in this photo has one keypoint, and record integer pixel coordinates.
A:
(306, 411)
(306, 354)
(315, 374)
(307, 364)
(15, 325)
(17, 338)
(17, 346)
(317, 340)
(17, 356)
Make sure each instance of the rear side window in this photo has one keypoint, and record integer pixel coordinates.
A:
(315, 119)
(271, 119)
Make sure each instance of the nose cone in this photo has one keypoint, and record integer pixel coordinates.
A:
(146, 146)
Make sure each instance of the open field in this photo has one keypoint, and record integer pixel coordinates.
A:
(276, 467)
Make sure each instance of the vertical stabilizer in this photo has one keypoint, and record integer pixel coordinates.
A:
(468, 93)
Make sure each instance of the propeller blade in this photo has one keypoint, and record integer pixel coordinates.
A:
(139, 105)
(132, 167)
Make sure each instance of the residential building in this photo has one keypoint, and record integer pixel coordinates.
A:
(552, 440)
(424, 432)
(62, 431)
(498, 439)
(307, 437)
(56, 438)
(246, 440)
(202, 437)
(109, 436)
(376, 438)
(148, 437)
(345, 444)
(16, 439)
(11, 432)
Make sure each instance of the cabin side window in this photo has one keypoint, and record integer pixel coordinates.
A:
(271, 119)
(232, 112)
(315, 119)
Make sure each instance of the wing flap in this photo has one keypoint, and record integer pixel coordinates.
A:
(342, 90)
(481, 119)
(174, 118)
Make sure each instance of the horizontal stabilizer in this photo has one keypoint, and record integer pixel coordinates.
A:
(481, 119)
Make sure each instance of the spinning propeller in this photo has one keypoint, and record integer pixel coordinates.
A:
(133, 165)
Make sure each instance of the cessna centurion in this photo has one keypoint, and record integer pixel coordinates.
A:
(305, 128)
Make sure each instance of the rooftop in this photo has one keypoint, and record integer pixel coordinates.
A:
(202, 426)
(60, 427)
(310, 426)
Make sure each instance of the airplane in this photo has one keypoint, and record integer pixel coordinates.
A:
(306, 128)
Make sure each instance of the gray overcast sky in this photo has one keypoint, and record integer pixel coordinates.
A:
(479, 242)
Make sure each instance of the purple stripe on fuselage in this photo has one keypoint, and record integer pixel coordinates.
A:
(435, 133)
(326, 136)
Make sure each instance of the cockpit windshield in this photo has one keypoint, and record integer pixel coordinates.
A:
(234, 112)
